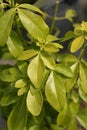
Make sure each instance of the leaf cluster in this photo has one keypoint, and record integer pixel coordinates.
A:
(46, 89)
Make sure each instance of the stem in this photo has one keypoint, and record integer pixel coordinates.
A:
(56, 18)
(82, 51)
(12, 3)
(55, 13)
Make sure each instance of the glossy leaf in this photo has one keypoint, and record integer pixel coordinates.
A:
(6, 22)
(34, 103)
(31, 8)
(45, 77)
(9, 75)
(48, 61)
(69, 58)
(34, 24)
(23, 67)
(70, 82)
(22, 90)
(51, 38)
(83, 95)
(14, 44)
(64, 69)
(72, 125)
(27, 54)
(35, 71)
(20, 83)
(55, 92)
(77, 43)
(82, 120)
(75, 96)
(52, 47)
(83, 77)
(15, 120)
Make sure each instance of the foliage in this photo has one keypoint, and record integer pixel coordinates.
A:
(45, 89)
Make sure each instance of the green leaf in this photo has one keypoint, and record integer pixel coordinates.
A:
(62, 116)
(83, 96)
(34, 24)
(75, 96)
(35, 103)
(70, 82)
(64, 69)
(52, 47)
(31, 8)
(84, 26)
(27, 54)
(69, 58)
(67, 36)
(36, 70)
(34, 127)
(14, 45)
(18, 116)
(48, 61)
(1, 10)
(45, 77)
(82, 120)
(74, 108)
(55, 92)
(9, 97)
(23, 67)
(83, 77)
(72, 125)
(55, 127)
(51, 38)
(6, 22)
(77, 43)
(9, 75)
(23, 90)
(70, 13)
(20, 83)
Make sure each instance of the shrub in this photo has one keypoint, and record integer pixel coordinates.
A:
(43, 88)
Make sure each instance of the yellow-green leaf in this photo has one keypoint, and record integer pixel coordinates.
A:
(31, 8)
(22, 90)
(70, 82)
(34, 103)
(9, 75)
(51, 38)
(27, 54)
(48, 61)
(72, 124)
(36, 71)
(55, 92)
(20, 83)
(82, 120)
(83, 77)
(33, 23)
(14, 44)
(64, 69)
(6, 22)
(70, 13)
(52, 47)
(77, 43)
